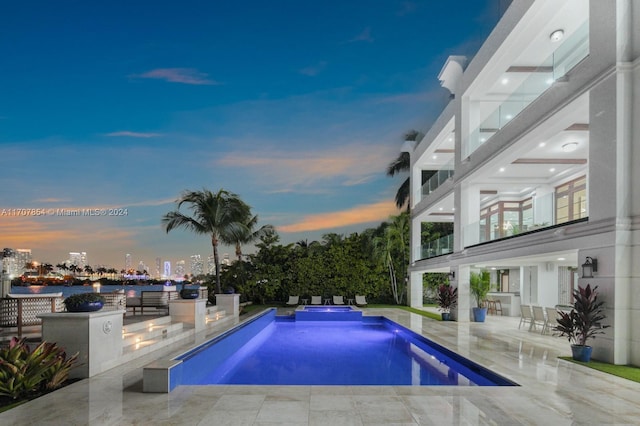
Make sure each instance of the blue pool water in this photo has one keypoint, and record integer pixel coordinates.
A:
(275, 350)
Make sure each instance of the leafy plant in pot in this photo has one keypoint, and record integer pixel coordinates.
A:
(84, 302)
(583, 322)
(479, 285)
(447, 298)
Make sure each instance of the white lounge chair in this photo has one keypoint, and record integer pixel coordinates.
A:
(538, 318)
(316, 300)
(361, 301)
(293, 300)
(526, 316)
(552, 316)
(338, 300)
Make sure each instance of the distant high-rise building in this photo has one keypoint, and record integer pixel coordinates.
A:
(167, 269)
(127, 262)
(180, 269)
(78, 258)
(158, 268)
(225, 259)
(196, 265)
(22, 256)
(211, 265)
(142, 267)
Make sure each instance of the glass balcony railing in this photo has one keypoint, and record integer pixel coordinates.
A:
(566, 56)
(435, 181)
(443, 245)
(541, 215)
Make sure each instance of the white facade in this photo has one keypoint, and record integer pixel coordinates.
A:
(533, 162)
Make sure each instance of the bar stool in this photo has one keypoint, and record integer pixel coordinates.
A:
(491, 307)
(497, 306)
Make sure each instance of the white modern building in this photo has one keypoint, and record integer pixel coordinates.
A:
(533, 160)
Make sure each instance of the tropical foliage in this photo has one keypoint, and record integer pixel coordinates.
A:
(447, 298)
(402, 164)
(78, 299)
(583, 322)
(25, 372)
(221, 215)
(479, 285)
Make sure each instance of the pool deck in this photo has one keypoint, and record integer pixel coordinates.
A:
(552, 391)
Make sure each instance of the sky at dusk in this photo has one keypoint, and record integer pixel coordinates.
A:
(296, 106)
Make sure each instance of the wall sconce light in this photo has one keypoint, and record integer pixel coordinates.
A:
(452, 275)
(589, 266)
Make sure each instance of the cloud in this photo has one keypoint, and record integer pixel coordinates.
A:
(365, 35)
(52, 200)
(314, 70)
(127, 133)
(361, 214)
(179, 75)
(288, 171)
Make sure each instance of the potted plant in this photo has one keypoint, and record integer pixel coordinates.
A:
(447, 298)
(479, 285)
(583, 322)
(84, 302)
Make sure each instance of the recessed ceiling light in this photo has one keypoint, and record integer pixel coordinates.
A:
(552, 170)
(556, 36)
(435, 157)
(561, 258)
(509, 116)
(441, 209)
(453, 209)
(542, 144)
(501, 169)
(483, 139)
(505, 81)
(549, 81)
(450, 139)
(570, 147)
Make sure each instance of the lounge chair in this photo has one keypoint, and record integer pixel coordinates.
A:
(538, 318)
(361, 301)
(526, 316)
(552, 316)
(338, 300)
(293, 300)
(316, 300)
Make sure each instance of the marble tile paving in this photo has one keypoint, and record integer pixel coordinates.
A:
(551, 391)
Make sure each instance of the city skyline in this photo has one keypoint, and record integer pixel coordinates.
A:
(109, 111)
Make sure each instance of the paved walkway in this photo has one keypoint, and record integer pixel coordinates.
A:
(551, 391)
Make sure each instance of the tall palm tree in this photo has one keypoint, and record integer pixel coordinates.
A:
(219, 215)
(400, 165)
(249, 235)
(392, 248)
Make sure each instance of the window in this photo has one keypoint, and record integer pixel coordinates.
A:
(571, 200)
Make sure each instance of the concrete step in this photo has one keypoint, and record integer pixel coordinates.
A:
(152, 331)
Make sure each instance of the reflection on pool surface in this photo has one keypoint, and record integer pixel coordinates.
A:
(373, 351)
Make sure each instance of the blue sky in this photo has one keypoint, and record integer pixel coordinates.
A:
(296, 106)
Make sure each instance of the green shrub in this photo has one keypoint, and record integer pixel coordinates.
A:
(80, 298)
(25, 372)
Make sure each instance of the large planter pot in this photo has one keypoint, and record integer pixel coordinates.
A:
(479, 314)
(581, 353)
(86, 307)
(446, 316)
(189, 293)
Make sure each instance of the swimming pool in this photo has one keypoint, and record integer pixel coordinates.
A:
(272, 350)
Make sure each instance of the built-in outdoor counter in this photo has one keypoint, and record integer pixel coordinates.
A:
(510, 302)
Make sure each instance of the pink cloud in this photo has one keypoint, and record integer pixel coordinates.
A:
(376, 212)
(179, 75)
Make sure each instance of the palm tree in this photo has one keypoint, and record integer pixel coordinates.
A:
(400, 165)
(249, 235)
(392, 248)
(220, 215)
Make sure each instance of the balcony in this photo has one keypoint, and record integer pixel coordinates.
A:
(500, 105)
(546, 212)
(438, 178)
(439, 247)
